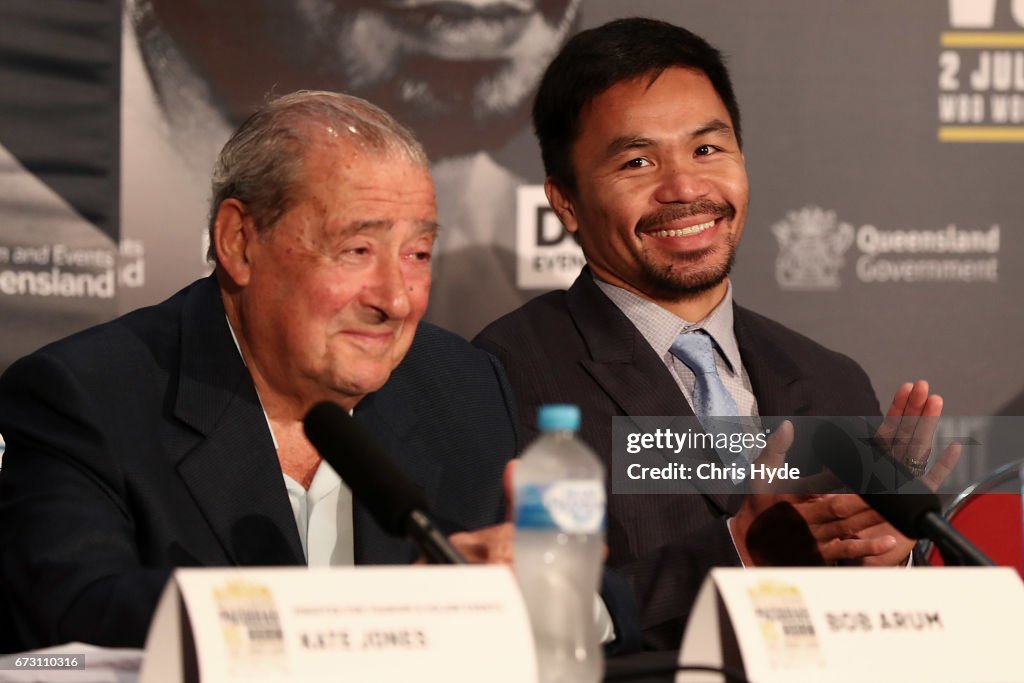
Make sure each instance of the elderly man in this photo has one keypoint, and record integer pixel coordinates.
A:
(173, 436)
(640, 134)
(459, 73)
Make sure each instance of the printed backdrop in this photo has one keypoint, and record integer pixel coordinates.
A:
(883, 143)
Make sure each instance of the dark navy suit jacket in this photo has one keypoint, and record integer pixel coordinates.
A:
(140, 445)
(576, 346)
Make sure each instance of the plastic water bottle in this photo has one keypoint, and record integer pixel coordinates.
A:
(559, 500)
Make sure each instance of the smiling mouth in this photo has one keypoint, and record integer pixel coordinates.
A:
(684, 232)
(456, 24)
(455, 10)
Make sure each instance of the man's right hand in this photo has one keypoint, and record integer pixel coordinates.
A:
(818, 519)
(843, 526)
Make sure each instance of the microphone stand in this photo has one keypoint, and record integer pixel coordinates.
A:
(954, 548)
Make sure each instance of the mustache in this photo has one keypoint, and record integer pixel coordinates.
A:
(677, 212)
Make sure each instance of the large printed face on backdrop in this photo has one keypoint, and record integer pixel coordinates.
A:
(460, 73)
(333, 291)
(662, 192)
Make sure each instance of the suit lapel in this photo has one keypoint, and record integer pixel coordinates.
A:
(775, 376)
(626, 367)
(232, 472)
(621, 361)
(390, 414)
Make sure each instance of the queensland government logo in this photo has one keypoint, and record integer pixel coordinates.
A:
(813, 243)
(811, 248)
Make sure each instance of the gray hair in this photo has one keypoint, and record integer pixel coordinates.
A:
(261, 164)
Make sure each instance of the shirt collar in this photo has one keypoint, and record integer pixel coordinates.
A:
(660, 327)
(267, 417)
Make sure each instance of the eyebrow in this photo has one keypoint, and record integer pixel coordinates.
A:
(625, 143)
(713, 126)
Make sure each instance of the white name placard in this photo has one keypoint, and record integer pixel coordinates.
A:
(330, 624)
(859, 624)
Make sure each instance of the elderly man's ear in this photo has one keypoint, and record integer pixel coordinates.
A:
(233, 230)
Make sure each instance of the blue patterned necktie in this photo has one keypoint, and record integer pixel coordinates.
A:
(710, 397)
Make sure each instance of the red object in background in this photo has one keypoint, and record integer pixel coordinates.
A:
(991, 515)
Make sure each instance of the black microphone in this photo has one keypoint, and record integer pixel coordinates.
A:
(891, 489)
(395, 501)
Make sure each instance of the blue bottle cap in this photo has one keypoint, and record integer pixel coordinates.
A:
(558, 417)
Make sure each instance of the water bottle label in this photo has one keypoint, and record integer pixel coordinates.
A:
(573, 507)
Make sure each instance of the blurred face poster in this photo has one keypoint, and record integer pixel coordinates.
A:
(881, 141)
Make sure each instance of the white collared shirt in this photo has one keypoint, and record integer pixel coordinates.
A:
(323, 513)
